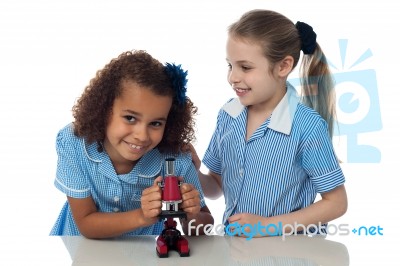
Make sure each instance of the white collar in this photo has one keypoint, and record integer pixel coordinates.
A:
(282, 116)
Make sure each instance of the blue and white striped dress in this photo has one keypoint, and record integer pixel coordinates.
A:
(281, 168)
(84, 172)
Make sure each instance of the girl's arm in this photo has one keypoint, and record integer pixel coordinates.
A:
(191, 205)
(211, 184)
(332, 205)
(94, 224)
(202, 218)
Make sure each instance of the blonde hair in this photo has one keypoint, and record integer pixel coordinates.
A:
(279, 37)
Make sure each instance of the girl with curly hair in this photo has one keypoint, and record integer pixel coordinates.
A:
(131, 117)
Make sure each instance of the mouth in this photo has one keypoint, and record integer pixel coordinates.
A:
(135, 147)
(241, 91)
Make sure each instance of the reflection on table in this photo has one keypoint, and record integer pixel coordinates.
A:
(209, 250)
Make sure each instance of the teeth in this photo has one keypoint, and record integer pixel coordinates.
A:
(136, 147)
(241, 90)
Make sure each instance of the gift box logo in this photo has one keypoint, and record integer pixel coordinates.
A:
(357, 106)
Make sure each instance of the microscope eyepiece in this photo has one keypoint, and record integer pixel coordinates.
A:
(169, 166)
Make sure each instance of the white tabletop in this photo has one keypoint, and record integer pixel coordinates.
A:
(204, 250)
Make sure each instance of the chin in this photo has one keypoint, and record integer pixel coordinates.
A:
(245, 102)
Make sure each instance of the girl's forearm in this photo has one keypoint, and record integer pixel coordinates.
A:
(199, 221)
(332, 205)
(212, 188)
(106, 225)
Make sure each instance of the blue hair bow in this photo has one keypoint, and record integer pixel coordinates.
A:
(178, 81)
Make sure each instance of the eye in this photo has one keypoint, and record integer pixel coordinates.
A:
(156, 124)
(246, 68)
(130, 118)
(230, 66)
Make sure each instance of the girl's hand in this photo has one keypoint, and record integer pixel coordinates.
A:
(151, 202)
(249, 223)
(195, 158)
(190, 200)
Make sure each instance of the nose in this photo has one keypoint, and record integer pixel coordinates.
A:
(233, 76)
(141, 133)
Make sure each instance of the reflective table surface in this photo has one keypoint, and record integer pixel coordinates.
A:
(204, 250)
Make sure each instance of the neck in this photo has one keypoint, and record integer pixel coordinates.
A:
(257, 114)
(268, 106)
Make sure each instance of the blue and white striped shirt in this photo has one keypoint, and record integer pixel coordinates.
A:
(84, 172)
(281, 168)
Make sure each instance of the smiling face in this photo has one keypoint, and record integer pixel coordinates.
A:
(250, 75)
(136, 125)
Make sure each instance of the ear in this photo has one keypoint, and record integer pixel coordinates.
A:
(285, 66)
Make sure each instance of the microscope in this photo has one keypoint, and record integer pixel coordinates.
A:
(171, 238)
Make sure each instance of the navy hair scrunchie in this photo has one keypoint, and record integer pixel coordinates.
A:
(308, 37)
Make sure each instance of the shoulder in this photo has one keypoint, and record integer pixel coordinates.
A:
(232, 108)
(307, 120)
(66, 135)
(229, 112)
(306, 114)
(68, 144)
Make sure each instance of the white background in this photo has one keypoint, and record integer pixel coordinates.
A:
(49, 50)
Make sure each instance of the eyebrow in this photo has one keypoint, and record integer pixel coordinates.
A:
(140, 115)
(241, 61)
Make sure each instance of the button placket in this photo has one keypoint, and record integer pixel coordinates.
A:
(116, 201)
(242, 150)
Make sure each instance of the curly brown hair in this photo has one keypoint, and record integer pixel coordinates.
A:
(93, 109)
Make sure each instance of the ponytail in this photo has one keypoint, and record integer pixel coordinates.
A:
(279, 37)
(318, 86)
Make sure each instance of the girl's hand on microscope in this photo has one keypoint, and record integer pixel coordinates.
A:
(190, 199)
(151, 202)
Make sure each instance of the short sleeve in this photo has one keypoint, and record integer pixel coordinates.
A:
(70, 175)
(320, 161)
(212, 158)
